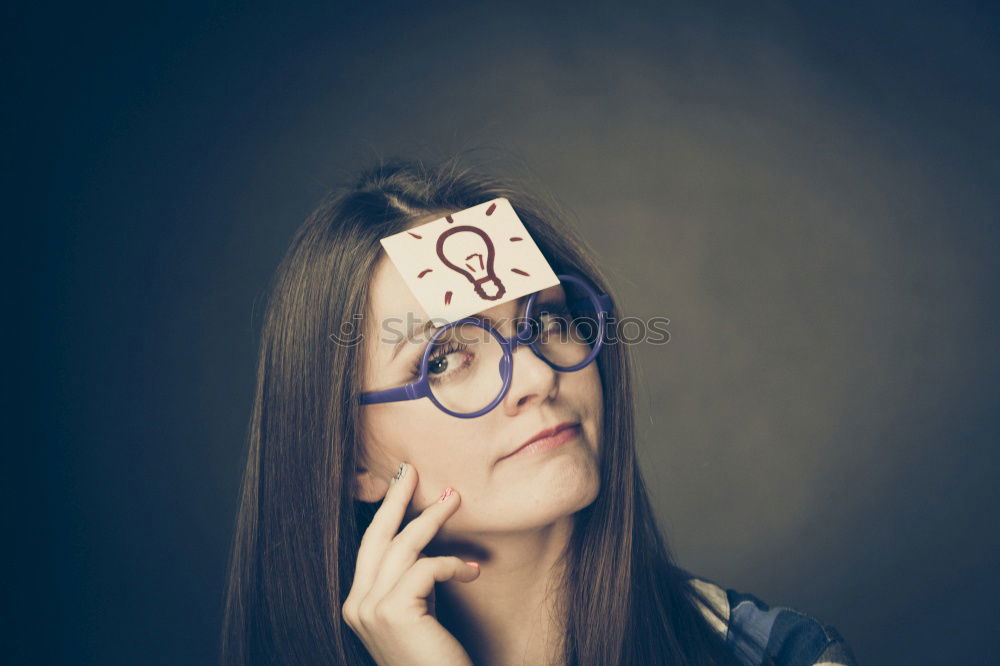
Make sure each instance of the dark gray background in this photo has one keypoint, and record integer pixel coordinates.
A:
(808, 192)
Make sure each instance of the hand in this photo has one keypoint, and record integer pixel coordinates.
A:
(388, 606)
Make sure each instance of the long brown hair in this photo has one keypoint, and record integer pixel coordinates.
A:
(299, 524)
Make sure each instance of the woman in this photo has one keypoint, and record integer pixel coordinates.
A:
(379, 529)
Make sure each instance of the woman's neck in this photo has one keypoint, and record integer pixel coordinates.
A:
(511, 614)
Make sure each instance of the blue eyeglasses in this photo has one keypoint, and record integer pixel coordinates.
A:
(467, 367)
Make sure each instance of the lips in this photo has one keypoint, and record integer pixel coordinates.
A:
(545, 434)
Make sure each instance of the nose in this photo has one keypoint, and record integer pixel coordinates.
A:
(533, 382)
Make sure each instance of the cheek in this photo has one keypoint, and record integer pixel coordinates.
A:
(396, 431)
(442, 448)
(583, 390)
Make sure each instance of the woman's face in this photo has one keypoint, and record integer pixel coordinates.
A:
(498, 492)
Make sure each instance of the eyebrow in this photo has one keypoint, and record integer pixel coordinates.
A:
(410, 338)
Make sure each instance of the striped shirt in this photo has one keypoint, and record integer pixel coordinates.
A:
(788, 636)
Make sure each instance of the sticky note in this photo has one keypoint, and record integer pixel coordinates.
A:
(469, 261)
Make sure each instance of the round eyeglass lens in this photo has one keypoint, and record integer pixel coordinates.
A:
(463, 368)
(565, 324)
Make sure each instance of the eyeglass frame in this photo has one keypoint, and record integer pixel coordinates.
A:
(421, 388)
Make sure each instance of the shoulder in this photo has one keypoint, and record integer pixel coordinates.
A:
(752, 629)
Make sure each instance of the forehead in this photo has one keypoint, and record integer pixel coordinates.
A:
(390, 297)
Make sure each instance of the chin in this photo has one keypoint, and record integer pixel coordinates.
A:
(544, 503)
(575, 487)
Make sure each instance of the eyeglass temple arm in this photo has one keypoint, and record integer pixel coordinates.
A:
(408, 392)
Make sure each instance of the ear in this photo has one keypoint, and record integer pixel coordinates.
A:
(369, 487)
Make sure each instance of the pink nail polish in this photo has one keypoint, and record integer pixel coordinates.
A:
(446, 494)
(473, 564)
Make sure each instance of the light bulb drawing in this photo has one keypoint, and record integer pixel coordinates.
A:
(469, 251)
(469, 260)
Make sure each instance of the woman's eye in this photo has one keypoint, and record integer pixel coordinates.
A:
(448, 360)
(438, 365)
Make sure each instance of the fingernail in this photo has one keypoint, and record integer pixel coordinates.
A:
(446, 494)
(399, 473)
(473, 564)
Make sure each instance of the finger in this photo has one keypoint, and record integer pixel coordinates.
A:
(406, 548)
(417, 583)
(383, 527)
